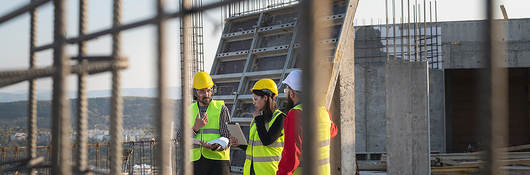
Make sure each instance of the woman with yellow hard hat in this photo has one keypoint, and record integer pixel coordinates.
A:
(265, 144)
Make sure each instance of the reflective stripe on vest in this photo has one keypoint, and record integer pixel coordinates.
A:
(208, 132)
(323, 131)
(264, 159)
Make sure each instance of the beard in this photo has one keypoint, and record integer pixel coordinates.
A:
(205, 100)
(290, 103)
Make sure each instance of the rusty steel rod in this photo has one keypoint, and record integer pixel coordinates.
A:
(82, 99)
(61, 157)
(116, 116)
(408, 31)
(12, 77)
(136, 24)
(402, 37)
(425, 30)
(431, 37)
(164, 120)
(184, 167)
(386, 31)
(32, 92)
(438, 58)
(394, 27)
(17, 12)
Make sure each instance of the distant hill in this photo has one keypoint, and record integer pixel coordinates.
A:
(174, 93)
(138, 112)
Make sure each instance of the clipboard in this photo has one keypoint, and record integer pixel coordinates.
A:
(235, 131)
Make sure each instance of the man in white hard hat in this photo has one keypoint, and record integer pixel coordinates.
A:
(290, 162)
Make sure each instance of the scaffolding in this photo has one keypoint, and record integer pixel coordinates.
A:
(264, 44)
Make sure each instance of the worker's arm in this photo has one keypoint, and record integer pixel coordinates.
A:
(269, 136)
(291, 150)
(333, 129)
(223, 125)
(179, 132)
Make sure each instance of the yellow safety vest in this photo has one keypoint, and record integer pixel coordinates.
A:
(265, 159)
(324, 134)
(209, 132)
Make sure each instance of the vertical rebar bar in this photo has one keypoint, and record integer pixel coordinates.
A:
(61, 158)
(386, 31)
(440, 63)
(32, 99)
(431, 37)
(116, 100)
(184, 166)
(164, 119)
(424, 30)
(416, 29)
(82, 101)
(408, 31)
(402, 27)
(394, 27)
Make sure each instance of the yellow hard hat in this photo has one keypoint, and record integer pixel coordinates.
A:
(267, 84)
(202, 80)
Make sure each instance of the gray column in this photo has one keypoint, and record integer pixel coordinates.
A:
(408, 144)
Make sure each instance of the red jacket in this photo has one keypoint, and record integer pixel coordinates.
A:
(291, 150)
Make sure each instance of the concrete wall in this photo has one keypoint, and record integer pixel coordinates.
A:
(462, 43)
(370, 106)
(437, 109)
(407, 103)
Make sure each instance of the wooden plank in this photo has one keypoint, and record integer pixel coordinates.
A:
(344, 49)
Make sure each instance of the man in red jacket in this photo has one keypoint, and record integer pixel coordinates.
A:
(292, 149)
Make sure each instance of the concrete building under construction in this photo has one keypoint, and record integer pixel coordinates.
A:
(264, 44)
(411, 95)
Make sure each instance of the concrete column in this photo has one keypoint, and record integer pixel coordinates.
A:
(407, 105)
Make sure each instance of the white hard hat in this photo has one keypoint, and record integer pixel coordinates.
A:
(294, 80)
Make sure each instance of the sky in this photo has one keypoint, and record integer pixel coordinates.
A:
(139, 44)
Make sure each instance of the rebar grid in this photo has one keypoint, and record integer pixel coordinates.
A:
(61, 159)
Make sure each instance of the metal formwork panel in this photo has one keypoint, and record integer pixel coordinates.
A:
(263, 45)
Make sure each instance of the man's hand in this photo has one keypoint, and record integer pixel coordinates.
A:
(200, 122)
(233, 141)
(213, 147)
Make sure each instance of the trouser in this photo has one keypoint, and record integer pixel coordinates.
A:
(205, 166)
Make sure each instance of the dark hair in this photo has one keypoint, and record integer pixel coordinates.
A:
(270, 104)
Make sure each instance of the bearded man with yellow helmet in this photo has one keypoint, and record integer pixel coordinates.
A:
(211, 148)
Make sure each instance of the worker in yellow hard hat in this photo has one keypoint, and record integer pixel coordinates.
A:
(265, 145)
(211, 137)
